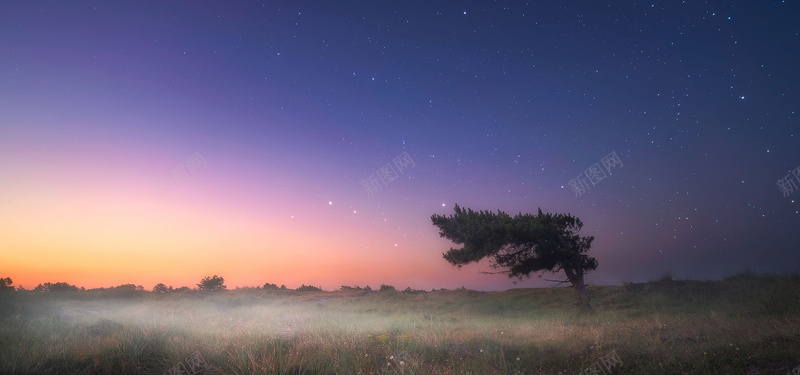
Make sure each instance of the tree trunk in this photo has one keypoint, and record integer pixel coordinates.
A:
(575, 276)
(582, 295)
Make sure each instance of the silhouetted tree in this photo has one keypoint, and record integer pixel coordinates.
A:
(161, 288)
(5, 284)
(308, 288)
(212, 283)
(8, 299)
(57, 287)
(387, 288)
(268, 286)
(125, 287)
(521, 245)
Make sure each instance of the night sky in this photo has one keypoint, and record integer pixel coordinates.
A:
(296, 142)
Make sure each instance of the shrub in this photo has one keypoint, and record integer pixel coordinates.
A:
(122, 291)
(387, 288)
(347, 287)
(666, 277)
(308, 288)
(269, 286)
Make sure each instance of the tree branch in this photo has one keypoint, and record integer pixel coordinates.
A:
(495, 273)
(558, 281)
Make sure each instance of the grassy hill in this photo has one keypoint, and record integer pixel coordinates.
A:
(744, 324)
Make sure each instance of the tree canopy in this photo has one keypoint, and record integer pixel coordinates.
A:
(5, 284)
(56, 287)
(520, 245)
(212, 283)
(161, 288)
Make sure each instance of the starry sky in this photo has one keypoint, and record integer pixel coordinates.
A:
(310, 142)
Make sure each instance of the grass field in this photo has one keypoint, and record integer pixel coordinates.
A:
(744, 324)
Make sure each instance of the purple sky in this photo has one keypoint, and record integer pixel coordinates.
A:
(145, 142)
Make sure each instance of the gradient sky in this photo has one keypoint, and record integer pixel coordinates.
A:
(165, 141)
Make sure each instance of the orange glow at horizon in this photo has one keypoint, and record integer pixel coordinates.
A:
(80, 235)
(90, 214)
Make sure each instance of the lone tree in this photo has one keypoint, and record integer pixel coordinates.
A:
(212, 283)
(521, 245)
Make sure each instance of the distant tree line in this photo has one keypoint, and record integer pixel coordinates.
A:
(208, 283)
(56, 287)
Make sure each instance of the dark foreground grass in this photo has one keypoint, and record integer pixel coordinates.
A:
(745, 324)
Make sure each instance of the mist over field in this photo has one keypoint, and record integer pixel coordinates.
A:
(744, 324)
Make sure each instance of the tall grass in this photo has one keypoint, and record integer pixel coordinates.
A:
(744, 324)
